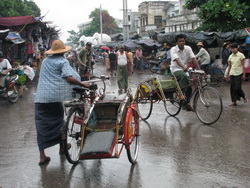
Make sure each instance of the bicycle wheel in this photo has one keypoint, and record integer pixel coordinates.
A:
(131, 134)
(208, 105)
(143, 100)
(13, 93)
(173, 103)
(153, 68)
(217, 77)
(73, 134)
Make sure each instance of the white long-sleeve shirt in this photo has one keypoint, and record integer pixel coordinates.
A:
(203, 56)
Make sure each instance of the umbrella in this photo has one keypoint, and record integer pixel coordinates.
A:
(105, 48)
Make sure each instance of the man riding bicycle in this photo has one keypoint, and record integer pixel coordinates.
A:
(203, 56)
(181, 55)
(85, 60)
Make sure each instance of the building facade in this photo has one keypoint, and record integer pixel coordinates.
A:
(152, 15)
(170, 16)
(181, 18)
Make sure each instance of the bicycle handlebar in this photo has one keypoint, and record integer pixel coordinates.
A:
(99, 79)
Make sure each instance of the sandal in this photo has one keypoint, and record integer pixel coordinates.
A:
(62, 152)
(46, 161)
(233, 104)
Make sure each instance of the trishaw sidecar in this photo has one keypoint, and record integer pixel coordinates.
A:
(109, 125)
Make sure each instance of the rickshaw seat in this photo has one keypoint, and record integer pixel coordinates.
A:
(168, 85)
(98, 145)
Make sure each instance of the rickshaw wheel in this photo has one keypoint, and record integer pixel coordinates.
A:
(131, 134)
(173, 104)
(143, 101)
(73, 135)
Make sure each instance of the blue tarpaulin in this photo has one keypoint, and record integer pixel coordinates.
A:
(15, 37)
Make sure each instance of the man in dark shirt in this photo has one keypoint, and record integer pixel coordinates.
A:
(226, 52)
(112, 58)
(85, 58)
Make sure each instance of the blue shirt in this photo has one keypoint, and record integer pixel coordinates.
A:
(52, 84)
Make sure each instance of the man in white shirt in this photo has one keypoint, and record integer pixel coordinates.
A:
(181, 55)
(203, 56)
(5, 68)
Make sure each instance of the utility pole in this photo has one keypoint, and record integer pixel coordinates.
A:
(125, 21)
(101, 22)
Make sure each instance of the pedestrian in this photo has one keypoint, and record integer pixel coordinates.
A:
(57, 78)
(85, 60)
(225, 54)
(130, 62)
(106, 60)
(113, 61)
(39, 58)
(122, 69)
(236, 71)
(203, 56)
(181, 55)
(138, 55)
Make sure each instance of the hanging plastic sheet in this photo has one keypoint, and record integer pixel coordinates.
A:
(15, 37)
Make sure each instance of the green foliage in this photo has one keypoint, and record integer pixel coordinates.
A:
(21, 80)
(108, 24)
(222, 15)
(19, 8)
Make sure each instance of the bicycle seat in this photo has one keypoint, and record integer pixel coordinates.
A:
(80, 90)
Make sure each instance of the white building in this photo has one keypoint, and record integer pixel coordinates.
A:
(182, 19)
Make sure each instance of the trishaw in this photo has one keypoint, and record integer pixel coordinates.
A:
(207, 102)
(102, 130)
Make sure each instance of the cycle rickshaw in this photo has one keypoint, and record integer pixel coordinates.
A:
(207, 102)
(104, 129)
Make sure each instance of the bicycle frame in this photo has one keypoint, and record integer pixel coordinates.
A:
(197, 80)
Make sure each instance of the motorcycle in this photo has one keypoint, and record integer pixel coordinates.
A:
(160, 65)
(12, 94)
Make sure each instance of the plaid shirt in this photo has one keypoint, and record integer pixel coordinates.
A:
(52, 84)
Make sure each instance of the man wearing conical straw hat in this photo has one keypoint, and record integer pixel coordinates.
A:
(57, 78)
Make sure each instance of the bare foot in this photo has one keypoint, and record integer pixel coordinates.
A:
(44, 161)
(233, 104)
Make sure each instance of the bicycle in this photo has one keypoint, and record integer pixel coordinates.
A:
(207, 102)
(215, 75)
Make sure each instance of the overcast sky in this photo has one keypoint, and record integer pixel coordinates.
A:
(67, 14)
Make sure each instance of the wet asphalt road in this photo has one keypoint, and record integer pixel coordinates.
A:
(174, 152)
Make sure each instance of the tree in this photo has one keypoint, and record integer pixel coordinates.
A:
(74, 38)
(108, 23)
(222, 15)
(19, 8)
